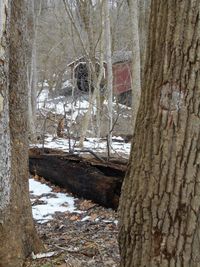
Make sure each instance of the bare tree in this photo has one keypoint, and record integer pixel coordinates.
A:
(136, 66)
(31, 68)
(85, 29)
(109, 71)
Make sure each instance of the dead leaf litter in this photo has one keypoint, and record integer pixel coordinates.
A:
(71, 239)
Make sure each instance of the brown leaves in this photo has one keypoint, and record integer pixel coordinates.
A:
(86, 205)
(90, 249)
(74, 218)
(78, 242)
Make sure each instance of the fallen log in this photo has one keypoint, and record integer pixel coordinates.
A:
(90, 179)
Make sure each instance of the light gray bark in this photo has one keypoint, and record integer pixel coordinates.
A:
(136, 66)
(109, 71)
(31, 69)
(143, 16)
(101, 74)
(97, 78)
(89, 44)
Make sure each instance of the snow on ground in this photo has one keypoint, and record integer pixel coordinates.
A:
(72, 107)
(45, 203)
(61, 104)
(49, 202)
(58, 106)
(42, 98)
(66, 84)
(95, 144)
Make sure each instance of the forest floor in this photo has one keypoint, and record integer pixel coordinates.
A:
(78, 233)
(75, 232)
(83, 237)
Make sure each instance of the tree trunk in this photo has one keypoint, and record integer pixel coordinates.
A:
(17, 232)
(109, 71)
(31, 69)
(5, 160)
(87, 17)
(86, 11)
(144, 12)
(136, 68)
(160, 201)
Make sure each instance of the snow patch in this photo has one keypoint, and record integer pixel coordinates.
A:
(95, 144)
(52, 203)
(42, 255)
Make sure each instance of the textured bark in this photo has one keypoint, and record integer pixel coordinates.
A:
(160, 201)
(17, 232)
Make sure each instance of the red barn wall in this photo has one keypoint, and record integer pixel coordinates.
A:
(121, 77)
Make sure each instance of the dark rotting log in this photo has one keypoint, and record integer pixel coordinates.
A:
(90, 179)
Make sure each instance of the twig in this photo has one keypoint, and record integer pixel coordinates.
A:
(68, 250)
(70, 154)
(91, 152)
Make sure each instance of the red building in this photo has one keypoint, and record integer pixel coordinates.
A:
(121, 75)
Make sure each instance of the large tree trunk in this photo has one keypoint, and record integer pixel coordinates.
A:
(160, 201)
(17, 232)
